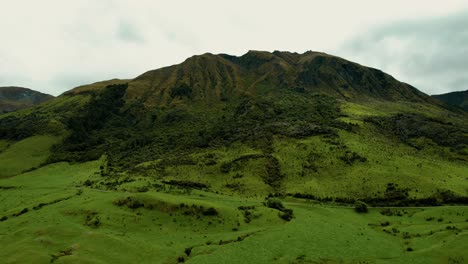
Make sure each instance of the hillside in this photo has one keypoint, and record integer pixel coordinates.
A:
(15, 98)
(458, 99)
(220, 156)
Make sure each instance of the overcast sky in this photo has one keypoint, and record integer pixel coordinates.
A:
(55, 45)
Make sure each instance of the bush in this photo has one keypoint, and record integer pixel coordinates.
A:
(210, 212)
(182, 90)
(225, 167)
(275, 204)
(360, 207)
(143, 189)
(186, 184)
(386, 223)
(285, 213)
(25, 210)
(351, 157)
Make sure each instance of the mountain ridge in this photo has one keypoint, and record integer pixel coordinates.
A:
(214, 76)
(457, 99)
(14, 98)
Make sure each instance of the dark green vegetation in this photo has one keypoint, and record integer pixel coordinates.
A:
(212, 159)
(457, 99)
(15, 98)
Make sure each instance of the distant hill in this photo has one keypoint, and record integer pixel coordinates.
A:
(14, 98)
(459, 99)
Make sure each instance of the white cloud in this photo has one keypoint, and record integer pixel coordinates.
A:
(54, 45)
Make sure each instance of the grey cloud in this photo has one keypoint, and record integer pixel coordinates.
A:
(429, 53)
(127, 31)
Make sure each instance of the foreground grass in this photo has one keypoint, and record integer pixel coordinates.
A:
(66, 222)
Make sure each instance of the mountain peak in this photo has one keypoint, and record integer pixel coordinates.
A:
(215, 77)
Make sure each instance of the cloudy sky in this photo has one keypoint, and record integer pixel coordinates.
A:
(55, 45)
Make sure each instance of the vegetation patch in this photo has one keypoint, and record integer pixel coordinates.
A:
(412, 126)
(361, 207)
(151, 204)
(350, 157)
(62, 253)
(248, 213)
(285, 213)
(273, 175)
(92, 219)
(186, 184)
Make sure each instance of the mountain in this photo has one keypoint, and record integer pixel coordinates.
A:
(265, 103)
(458, 99)
(14, 98)
(211, 78)
(210, 159)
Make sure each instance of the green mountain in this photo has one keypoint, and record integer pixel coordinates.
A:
(261, 106)
(15, 98)
(211, 159)
(458, 99)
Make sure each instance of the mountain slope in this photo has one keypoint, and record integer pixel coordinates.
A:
(458, 99)
(15, 98)
(285, 122)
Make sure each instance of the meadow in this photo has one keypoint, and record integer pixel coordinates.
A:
(49, 215)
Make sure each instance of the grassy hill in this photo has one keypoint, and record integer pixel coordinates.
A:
(458, 99)
(15, 98)
(258, 158)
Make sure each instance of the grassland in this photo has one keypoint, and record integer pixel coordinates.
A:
(52, 216)
(25, 154)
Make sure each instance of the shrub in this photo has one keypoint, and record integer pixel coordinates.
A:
(25, 210)
(186, 184)
(386, 223)
(182, 90)
(304, 196)
(246, 207)
(360, 207)
(93, 221)
(210, 212)
(275, 204)
(225, 167)
(285, 213)
(350, 157)
(143, 189)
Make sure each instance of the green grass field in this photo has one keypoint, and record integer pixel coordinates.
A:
(25, 154)
(53, 218)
